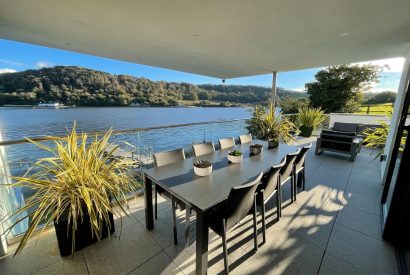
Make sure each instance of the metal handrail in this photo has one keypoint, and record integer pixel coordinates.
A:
(117, 132)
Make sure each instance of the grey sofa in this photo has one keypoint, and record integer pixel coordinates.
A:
(352, 127)
(339, 142)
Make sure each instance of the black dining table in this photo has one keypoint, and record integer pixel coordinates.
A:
(203, 193)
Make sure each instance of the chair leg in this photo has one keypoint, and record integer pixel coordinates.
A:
(187, 223)
(174, 221)
(303, 179)
(278, 206)
(224, 244)
(255, 229)
(292, 191)
(263, 220)
(156, 203)
(280, 197)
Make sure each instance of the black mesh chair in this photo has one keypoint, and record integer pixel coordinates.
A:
(287, 174)
(270, 185)
(240, 203)
(300, 166)
(161, 159)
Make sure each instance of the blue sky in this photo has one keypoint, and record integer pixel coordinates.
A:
(16, 56)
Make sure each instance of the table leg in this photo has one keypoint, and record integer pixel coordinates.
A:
(149, 217)
(201, 242)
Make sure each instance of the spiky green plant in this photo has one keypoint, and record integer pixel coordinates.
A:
(267, 125)
(80, 174)
(375, 138)
(310, 117)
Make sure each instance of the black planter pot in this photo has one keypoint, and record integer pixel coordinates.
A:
(306, 131)
(83, 236)
(255, 150)
(273, 144)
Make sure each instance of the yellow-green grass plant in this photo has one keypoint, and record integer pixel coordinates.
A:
(308, 118)
(375, 138)
(267, 125)
(80, 175)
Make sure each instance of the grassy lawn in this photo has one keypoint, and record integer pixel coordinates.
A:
(376, 109)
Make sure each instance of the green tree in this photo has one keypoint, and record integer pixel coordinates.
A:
(383, 97)
(291, 105)
(340, 88)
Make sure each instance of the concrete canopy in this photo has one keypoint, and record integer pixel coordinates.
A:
(223, 39)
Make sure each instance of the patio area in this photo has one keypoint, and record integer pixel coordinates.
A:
(334, 227)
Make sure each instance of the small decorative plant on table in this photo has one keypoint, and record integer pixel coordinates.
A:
(308, 119)
(266, 125)
(255, 149)
(202, 168)
(74, 189)
(235, 156)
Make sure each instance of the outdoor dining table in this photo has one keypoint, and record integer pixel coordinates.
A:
(203, 193)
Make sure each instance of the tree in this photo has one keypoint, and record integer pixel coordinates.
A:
(339, 88)
(291, 105)
(383, 97)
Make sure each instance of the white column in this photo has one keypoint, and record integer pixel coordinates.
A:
(274, 88)
(398, 108)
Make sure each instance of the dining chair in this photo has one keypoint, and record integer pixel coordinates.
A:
(287, 174)
(162, 159)
(203, 148)
(227, 143)
(240, 203)
(300, 166)
(245, 138)
(270, 186)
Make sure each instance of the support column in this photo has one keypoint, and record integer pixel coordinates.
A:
(274, 88)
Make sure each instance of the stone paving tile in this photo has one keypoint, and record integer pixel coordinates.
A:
(121, 255)
(159, 264)
(359, 250)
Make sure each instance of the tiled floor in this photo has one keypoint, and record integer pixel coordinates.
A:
(332, 228)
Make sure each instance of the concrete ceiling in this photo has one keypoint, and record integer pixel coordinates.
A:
(223, 39)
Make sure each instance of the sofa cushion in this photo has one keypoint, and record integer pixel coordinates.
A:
(331, 132)
(345, 127)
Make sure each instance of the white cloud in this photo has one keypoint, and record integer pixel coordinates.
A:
(395, 64)
(7, 70)
(300, 89)
(43, 64)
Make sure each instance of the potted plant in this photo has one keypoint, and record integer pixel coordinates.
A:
(266, 125)
(202, 168)
(375, 138)
(74, 189)
(308, 119)
(235, 156)
(255, 149)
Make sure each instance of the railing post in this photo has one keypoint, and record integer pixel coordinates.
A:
(368, 109)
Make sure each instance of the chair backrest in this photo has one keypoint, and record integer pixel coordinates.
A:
(287, 169)
(270, 182)
(164, 158)
(203, 148)
(300, 159)
(240, 201)
(227, 143)
(245, 138)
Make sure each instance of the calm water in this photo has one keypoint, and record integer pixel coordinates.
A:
(18, 123)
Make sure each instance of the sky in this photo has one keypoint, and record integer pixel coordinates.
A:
(17, 56)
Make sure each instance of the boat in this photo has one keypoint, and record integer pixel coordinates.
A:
(52, 105)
